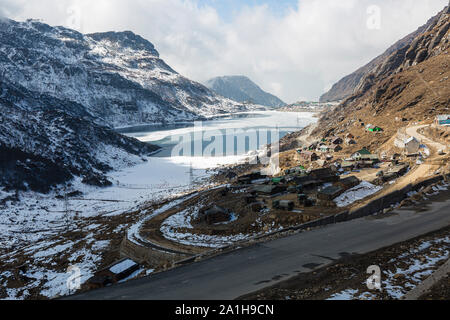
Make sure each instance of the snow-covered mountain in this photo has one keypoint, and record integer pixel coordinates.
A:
(117, 76)
(242, 89)
(45, 141)
(61, 92)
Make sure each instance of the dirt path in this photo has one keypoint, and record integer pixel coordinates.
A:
(305, 138)
(433, 145)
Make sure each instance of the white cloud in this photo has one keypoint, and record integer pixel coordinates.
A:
(299, 54)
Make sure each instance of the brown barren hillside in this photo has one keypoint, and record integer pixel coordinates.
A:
(411, 85)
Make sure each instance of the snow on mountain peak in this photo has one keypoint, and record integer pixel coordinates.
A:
(118, 77)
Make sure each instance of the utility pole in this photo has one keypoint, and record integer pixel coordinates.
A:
(191, 174)
(66, 208)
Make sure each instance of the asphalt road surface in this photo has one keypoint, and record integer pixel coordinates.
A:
(249, 269)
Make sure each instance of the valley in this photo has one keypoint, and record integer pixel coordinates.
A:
(119, 171)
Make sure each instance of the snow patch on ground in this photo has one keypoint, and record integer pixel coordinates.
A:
(363, 190)
(348, 294)
(201, 240)
(413, 266)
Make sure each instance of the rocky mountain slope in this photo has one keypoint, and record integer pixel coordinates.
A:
(410, 85)
(349, 84)
(62, 91)
(45, 141)
(242, 89)
(117, 76)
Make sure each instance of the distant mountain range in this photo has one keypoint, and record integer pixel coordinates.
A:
(242, 89)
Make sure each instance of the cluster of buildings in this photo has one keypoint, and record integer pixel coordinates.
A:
(324, 147)
(310, 187)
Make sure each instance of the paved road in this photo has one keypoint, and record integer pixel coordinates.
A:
(249, 269)
(412, 131)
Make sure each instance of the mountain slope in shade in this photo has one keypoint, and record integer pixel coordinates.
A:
(242, 89)
(45, 141)
(410, 85)
(118, 77)
(349, 84)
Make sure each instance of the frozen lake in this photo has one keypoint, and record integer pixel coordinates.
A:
(235, 135)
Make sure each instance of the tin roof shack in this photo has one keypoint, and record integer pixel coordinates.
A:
(313, 146)
(348, 165)
(392, 174)
(349, 141)
(336, 141)
(308, 156)
(361, 154)
(349, 136)
(400, 170)
(324, 148)
(305, 201)
(368, 161)
(306, 183)
(330, 193)
(248, 178)
(412, 145)
(443, 120)
(269, 190)
(348, 183)
(372, 128)
(296, 171)
(113, 274)
(287, 205)
(324, 175)
(257, 206)
(214, 214)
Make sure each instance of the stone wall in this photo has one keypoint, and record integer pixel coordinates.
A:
(149, 255)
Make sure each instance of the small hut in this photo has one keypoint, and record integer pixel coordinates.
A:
(309, 156)
(214, 214)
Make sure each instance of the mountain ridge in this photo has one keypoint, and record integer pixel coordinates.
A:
(242, 89)
(408, 86)
(118, 76)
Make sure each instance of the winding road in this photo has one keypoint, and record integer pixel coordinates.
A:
(246, 270)
(234, 274)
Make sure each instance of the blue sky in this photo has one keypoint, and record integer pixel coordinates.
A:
(227, 9)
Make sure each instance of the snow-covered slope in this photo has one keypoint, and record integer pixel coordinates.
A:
(45, 141)
(242, 89)
(117, 76)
